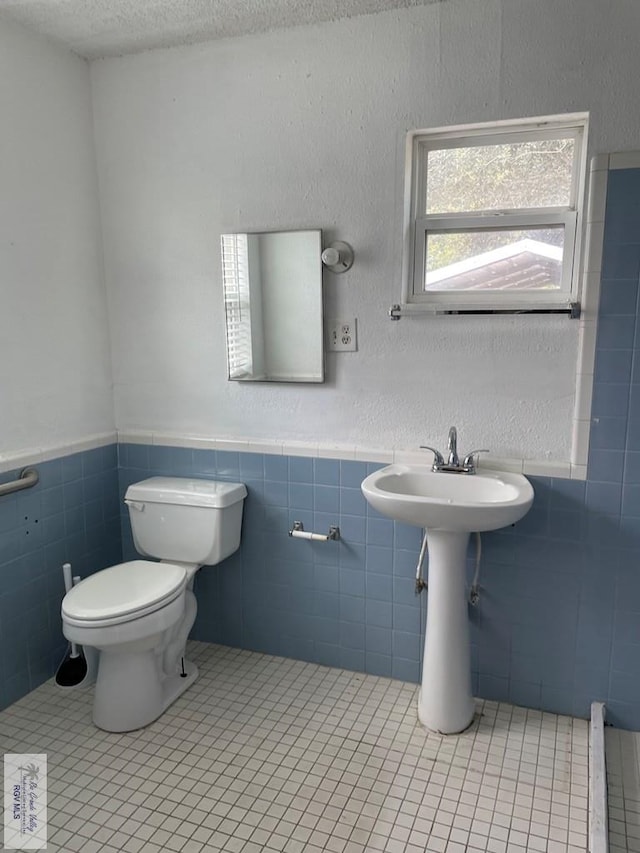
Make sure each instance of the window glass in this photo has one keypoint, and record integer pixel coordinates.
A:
(495, 259)
(500, 177)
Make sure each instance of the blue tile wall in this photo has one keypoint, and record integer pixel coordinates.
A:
(336, 602)
(72, 515)
(545, 582)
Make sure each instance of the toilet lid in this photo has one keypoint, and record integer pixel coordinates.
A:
(124, 589)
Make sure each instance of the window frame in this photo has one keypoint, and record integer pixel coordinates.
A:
(419, 225)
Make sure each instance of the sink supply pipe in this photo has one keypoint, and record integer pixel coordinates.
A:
(420, 582)
(474, 592)
(73, 669)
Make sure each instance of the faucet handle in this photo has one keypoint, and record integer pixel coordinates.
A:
(469, 461)
(438, 459)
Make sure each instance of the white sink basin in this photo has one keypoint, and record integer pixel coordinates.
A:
(440, 501)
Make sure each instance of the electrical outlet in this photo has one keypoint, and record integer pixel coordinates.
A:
(343, 335)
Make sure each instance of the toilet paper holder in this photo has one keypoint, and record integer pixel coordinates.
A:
(298, 532)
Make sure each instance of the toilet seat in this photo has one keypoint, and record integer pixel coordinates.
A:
(122, 593)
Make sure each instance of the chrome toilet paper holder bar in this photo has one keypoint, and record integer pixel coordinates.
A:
(298, 532)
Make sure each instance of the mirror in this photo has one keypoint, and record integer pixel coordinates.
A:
(273, 303)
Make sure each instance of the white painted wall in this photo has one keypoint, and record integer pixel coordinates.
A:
(306, 128)
(55, 375)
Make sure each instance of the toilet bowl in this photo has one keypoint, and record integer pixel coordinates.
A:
(138, 614)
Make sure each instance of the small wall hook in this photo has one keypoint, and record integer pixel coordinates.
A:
(338, 257)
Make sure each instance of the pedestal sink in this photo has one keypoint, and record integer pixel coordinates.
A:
(449, 507)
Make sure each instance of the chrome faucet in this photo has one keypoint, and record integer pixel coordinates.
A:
(452, 447)
(453, 464)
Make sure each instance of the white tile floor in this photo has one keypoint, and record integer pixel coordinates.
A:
(623, 784)
(264, 753)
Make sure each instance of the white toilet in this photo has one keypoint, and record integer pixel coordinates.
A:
(139, 614)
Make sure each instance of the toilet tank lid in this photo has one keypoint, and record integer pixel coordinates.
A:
(186, 492)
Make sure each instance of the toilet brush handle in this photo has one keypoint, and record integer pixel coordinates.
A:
(69, 582)
(66, 573)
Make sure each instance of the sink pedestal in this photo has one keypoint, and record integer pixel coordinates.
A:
(445, 703)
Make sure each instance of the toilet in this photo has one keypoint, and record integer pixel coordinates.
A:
(138, 614)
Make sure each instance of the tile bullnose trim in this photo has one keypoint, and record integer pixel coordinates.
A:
(315, 450)
(624, 160)
(598, 801)
(31, 456)
(590, 296)
(599, 162)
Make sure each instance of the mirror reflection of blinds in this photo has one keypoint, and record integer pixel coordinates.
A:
(235, 267)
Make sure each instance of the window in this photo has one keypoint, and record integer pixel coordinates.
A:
(493, 215)
(235, 265)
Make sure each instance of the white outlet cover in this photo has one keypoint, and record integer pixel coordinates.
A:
(342, 335)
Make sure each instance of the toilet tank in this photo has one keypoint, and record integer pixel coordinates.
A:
(184, 520)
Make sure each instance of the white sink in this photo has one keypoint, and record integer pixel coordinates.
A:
(449, 507)
(441, 501)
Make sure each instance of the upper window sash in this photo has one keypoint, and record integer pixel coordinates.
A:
(471, 139)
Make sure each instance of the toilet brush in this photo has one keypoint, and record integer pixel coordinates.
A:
(73, 668)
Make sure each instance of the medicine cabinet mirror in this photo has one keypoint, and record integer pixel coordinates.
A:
(273, 302)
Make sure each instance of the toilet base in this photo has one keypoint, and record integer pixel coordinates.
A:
(175, 685)
(129, 694)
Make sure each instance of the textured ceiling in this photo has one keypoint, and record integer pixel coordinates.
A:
(98, 28)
